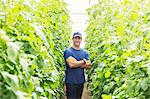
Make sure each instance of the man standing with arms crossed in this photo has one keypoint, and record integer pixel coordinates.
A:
(76, 60)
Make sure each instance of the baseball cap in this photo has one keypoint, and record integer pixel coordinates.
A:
(77, 34)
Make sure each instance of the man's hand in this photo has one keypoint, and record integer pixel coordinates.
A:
(87, 65)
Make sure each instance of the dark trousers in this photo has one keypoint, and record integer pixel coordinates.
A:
(74, 91)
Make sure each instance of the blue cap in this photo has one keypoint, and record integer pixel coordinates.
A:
(77, 34)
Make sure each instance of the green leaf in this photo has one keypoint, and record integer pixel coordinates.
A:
(19, 94)
(144, 85)
(148, 70)
(12, 51)
(40, 33)
(104, 96)
(107, 74)
(10, 79)
(3, 38)
(24, 64)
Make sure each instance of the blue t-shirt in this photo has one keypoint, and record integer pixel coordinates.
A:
(75, 75)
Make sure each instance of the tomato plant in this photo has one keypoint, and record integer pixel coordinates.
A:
(118, 36)
(33, 34)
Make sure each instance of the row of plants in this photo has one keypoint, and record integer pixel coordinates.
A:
(118, 41)
(33, 35)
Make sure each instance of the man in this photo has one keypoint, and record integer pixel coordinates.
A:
(76, 60)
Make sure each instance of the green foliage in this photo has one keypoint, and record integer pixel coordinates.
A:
(118, 37)
(32, 36)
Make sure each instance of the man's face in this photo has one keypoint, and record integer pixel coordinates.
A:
(76, 41)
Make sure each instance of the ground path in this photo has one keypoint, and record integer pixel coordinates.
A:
(85, 94)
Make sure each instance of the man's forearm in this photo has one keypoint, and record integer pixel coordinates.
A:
(76, 64)
(73, 63)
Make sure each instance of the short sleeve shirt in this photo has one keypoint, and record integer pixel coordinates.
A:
(75, 75)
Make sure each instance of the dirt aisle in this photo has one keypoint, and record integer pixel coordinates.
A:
(85, 94)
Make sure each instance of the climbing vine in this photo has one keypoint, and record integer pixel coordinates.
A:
(118, 40)
(33, 34)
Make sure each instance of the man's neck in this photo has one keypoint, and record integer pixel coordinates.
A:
(76, 47)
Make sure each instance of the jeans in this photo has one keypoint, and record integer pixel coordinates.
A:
(74, 91)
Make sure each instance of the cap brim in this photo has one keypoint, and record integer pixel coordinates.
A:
(78, 36)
